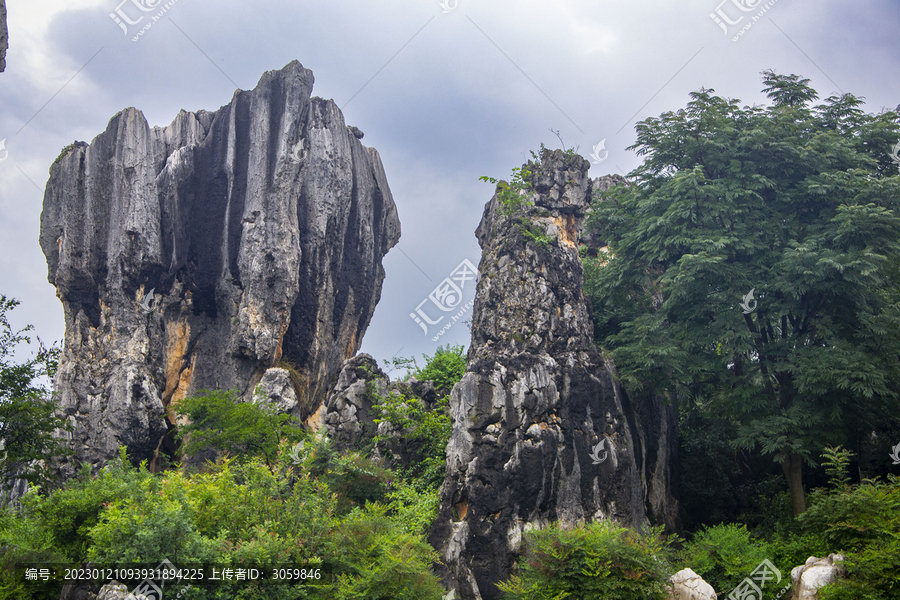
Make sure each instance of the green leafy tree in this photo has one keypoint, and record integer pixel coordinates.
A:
(795, 203)
(28, 415)
(424, 434)
(220, 421)
(445, 368)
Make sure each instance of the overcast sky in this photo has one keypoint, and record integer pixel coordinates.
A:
(445, 93)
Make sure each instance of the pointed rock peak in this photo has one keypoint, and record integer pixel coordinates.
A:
(541, 431)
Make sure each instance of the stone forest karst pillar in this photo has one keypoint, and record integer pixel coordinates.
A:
(541, 431)
(204, 254)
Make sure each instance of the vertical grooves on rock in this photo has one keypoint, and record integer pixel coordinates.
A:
(251, 254)
(349, 264)
(276, 101)
(243, 152)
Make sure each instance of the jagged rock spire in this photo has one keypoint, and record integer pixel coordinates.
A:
(541, 431)
(199, 255)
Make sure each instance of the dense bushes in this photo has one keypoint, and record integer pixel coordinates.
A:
(597, 561)
(860, 521)
(445, 368)
(863, 522)
(724, 554)
(234, 514)
(422, 431)
(218, 420)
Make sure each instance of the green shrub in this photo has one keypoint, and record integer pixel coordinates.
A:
(445, 368)
(25, 540)
(513, 194)
(149, 527)
(863, 523)
(415, 508)
(837, 466)
(28, 416)
(598, 561)
(220, 421)
(790, 549)
(378, 560)
(423, 432)
(234, 514)
(724, 555)
(68, 513)
(357, 480)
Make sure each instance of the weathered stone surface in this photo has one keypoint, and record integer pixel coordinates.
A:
(117, 591)
(687, 585)
(600, 184)
(78, 590)
(199, 255)
(346, 415)
(424, 390)
(806, 580)
(541, 431)
(277, 389)
(4, 36)
(111, 591)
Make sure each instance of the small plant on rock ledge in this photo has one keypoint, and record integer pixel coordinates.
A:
(514, 201)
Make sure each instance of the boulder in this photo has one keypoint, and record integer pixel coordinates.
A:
(807, 579)
(277, 389)
(687, 585)
(346, 415)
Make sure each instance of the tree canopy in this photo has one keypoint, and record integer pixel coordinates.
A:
(753, 267)
(28, 415)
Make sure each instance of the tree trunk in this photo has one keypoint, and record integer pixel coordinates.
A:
(792, 464)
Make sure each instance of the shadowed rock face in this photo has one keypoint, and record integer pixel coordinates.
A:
(259, 229)
(541, 431)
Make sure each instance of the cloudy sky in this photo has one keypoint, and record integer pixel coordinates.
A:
(446, 93)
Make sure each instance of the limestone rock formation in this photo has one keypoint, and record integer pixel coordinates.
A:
(687, 585)
(348, 419)
(117, 591)
(541, 431)
(201, 254)
(807, 579)
(4, 36)
(346, 414)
